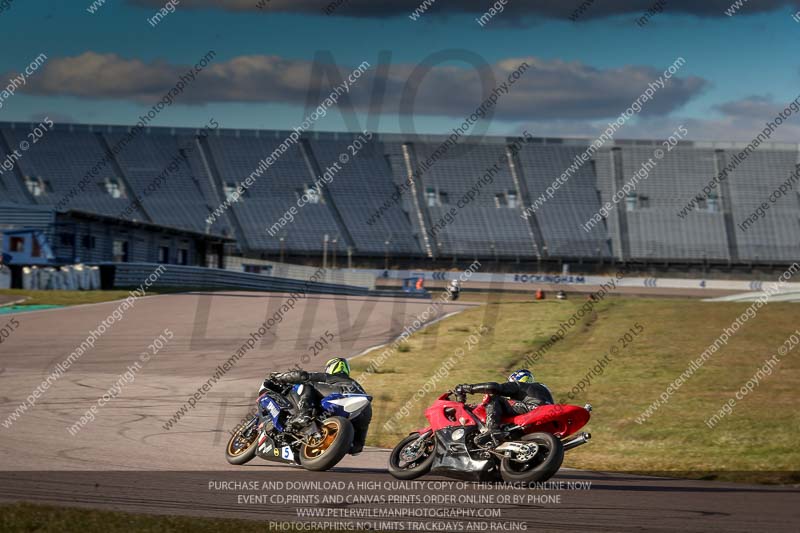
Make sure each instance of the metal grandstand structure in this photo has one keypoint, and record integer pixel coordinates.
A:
(199, 171)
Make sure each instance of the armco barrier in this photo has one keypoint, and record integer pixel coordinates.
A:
(336, 276)
(127, 275)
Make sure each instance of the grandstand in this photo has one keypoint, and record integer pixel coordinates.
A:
(380, 206)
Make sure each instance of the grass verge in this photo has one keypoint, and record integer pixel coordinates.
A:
(63, 297)
(754, 443)
(85, 297)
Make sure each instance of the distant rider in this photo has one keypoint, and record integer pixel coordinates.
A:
(454, 289)
(336, 378)
(526, 393)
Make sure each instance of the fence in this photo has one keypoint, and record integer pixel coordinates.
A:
(126, 275)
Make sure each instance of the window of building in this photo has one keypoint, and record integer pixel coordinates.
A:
(163, 255)
(67, 239)
(37, 186)
(713, 203)
(630, 202)
(37, 248)
(444, 199)
(644, 202)
(430, 197)
(512, 200)
(183, 256)
(231, 192)
(89, 242)
(500, 200)
(120, 251)
(252, 269)
(17, 244)
(113, 186)
(313, 195)
(700, 203)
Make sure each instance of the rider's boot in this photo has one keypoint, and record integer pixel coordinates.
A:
(492, 436)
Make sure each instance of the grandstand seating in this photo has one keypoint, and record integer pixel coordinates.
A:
(776, 236)
(360, 212)
(359, 189)
(172, 191)
(276, 191)
(487, 224)
(58, 162)
(655, 232)
(562, 216)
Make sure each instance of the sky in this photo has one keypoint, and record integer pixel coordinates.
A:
(275, 60)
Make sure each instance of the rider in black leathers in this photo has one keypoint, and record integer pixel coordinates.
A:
(521, 387)
(335, 379)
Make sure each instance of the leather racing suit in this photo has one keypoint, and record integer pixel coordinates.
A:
(319, 385)
(526, 396)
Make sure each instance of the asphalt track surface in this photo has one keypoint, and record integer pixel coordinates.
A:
(126, 460)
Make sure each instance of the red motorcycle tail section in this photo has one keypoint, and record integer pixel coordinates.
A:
(560, 420)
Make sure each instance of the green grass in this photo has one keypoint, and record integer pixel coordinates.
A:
(64, 297)
(85, 297)
(25, 517)
(756, 443)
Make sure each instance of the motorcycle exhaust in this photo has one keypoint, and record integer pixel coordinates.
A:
(576, 441)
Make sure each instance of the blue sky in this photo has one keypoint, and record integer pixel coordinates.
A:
(739, 69)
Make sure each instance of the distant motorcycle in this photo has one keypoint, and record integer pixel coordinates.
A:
(532, 452)
(318, 445)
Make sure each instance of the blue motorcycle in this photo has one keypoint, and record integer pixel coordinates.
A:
(317, 445)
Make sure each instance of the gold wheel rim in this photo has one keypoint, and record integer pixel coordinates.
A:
(240, 440)
(329, 432)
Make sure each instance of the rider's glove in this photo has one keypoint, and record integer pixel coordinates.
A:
(463, 389)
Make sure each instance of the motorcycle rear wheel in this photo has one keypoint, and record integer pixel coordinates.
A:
(337, 437)
(419, 467)
(241, 449)
(541, 467)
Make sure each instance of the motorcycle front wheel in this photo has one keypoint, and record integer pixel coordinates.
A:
(325, 452)
(242, 444)
(541, 467)
(408, 462)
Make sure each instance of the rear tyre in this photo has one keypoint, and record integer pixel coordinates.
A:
(337, 437)
(541, 467)
(242, 444)
(415, 463)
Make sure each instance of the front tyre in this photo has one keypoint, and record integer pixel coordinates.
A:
(242, 444)
(335, 441)
(540, 467)
(411, 459)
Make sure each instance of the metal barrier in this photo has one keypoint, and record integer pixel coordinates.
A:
(131, 275)
(336, 276)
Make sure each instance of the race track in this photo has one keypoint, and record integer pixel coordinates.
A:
(126, 460)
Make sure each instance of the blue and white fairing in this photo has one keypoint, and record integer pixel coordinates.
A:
(346, 405)
(273, 409)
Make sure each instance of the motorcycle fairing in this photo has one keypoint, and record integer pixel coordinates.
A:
(268, 451)
(346, 405)
(274, 409)
(561, 420)
(445, 413)
(453, 459)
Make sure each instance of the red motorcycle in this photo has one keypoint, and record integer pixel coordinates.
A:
(456, 444)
